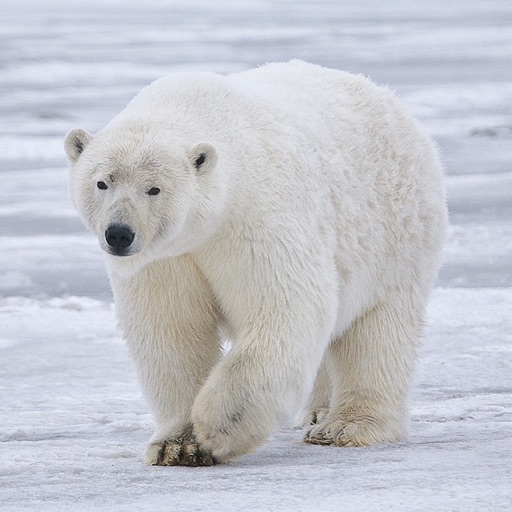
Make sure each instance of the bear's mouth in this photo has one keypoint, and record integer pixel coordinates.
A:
(119, 238)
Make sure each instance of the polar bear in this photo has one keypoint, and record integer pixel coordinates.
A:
(296, 208)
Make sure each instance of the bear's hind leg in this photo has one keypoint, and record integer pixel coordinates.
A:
(371, 368)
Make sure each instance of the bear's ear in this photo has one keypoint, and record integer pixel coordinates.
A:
(203, 157)
(75, 142)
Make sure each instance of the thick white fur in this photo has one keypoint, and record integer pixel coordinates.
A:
(312, 232)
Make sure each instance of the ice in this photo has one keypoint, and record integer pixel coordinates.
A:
(73, 424)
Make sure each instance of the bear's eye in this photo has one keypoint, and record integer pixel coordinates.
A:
(153, 191)
(102, 185)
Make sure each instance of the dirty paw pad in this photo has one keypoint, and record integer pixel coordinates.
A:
(178, 452)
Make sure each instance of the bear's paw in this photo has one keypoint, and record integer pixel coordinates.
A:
(353, 431)
(181, 451)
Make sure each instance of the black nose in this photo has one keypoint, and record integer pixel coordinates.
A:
(119, 237)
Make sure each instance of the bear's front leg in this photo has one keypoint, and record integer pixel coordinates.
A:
(270, 370)
(170, 322)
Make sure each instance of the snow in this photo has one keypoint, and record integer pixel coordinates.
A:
(73, 424)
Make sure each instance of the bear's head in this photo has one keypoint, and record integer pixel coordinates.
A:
(144, 198)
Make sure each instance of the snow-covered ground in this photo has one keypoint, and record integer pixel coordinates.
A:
(72, 421)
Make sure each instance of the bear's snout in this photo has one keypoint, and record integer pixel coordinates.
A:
(119, 238)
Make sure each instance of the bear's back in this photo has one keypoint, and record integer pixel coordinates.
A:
(298, 84)
(296, 89)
